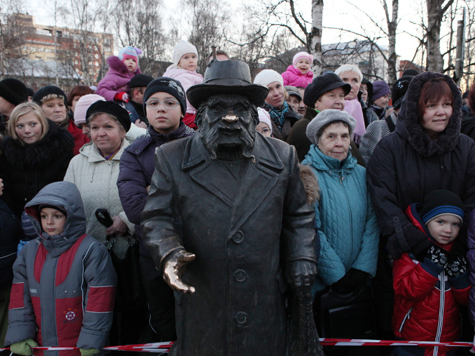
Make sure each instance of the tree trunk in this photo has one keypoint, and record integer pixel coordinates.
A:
(434, 20)
(315, 36)
(392, 56)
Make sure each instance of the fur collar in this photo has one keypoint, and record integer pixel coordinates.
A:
(408, 125)
(310, 182)
(116, 64)
(38, 155)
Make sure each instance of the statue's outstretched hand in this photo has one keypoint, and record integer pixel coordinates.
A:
(301, 276)
(174, 268)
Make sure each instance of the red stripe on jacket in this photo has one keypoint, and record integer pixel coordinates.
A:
(101, 299)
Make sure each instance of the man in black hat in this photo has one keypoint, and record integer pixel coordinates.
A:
(227, 222)
(12, 93)
(135, 105)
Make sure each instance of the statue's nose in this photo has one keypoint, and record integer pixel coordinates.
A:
(230, 117)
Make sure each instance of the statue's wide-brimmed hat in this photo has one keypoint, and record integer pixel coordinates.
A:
(227, 77)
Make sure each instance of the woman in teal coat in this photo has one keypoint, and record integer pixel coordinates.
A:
(344, 215)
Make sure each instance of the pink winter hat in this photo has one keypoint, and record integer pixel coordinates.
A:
(301, 55)
(82, 105)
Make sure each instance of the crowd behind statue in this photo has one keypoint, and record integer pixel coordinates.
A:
(394, 202)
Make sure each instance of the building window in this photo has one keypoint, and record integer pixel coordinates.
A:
(43, 32)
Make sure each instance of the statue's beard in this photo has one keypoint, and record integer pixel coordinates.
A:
(220, 138)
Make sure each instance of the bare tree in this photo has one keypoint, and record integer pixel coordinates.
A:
(138, 23)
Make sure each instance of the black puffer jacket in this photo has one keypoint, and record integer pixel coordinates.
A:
(26, 169)
(10, 235)
(407, 165)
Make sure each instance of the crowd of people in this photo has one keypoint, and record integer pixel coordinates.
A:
(392, 172)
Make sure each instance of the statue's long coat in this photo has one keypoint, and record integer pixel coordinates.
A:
(243, 235)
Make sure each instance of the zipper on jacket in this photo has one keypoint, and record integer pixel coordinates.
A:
(406, 318)
(440, 322)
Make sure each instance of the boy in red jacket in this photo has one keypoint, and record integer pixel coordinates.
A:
(428, 293)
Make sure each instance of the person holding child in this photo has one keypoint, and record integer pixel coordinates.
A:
(114, 86)
(428, 293)
(298, 74)
(183, 69)
(64, 283)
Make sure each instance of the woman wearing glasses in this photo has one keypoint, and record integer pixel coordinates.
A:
(165, 103)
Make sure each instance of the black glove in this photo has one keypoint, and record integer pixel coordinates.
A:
(437, 255)
(459, 249)
(345, 284)
(457, 267)
(358, 279)
(416, 240)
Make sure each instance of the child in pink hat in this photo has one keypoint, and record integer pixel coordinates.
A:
(298, 74)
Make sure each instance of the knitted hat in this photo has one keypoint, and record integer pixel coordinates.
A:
(111, 108)
(301, 55)
(411, 71)
(130, 52)
(267, 76)
(183, 47)
(380, 88)
(441, 202)
(166, 85)
(47, 93)
(265, 118)
(82, 105)
(399, 90)
(13, 91)
(293, 91)
(140, 80)
(326, 117)
(321, 85)
(28, 227)
(31, 92)
(42, 206)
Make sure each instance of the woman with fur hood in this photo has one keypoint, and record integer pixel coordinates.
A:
(114, 85)
(36, 152)
(426, 152)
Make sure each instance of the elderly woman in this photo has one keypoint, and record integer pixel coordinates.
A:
(54, 104)
(36, 152)
(282, 115)
(344, 215)
(352, 75)
(95, 171)
(425, 153)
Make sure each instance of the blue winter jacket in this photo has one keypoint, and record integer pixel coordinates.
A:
(344, 217)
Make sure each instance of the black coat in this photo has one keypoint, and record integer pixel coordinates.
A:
(26, 169)
(242, 243)
(10, 235)
(406, 165)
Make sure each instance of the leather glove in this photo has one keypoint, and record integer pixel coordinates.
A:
(437, 255)
(457, 267)
(122, 96)
(358, 279)
(345, 284)
(23, 347)
(88, 352)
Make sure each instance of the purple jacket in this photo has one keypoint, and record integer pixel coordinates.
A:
(137, 164)
(292, 76)
(116, 79)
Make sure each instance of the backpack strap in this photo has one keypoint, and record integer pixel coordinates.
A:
(390, 123)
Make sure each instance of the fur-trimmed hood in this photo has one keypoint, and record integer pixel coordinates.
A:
(310, 182)
(409, 127)
(116, 64)
(41, 153)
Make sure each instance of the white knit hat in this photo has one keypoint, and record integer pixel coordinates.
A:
(265, 118)
(82, 105)
(301, 55)
(267, 76)
(182, 47)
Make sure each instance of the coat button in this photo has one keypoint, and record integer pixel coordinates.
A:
(241, 318)
(398, 229)
(395, 219)
(238, 237)
(240, 275)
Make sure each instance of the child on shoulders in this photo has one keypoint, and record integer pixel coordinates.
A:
(428, 293)
(183, 69)
(114, 85)
(63, 282)
(298, 74)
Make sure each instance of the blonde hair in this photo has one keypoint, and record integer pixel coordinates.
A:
(23, 109)
(349, 68)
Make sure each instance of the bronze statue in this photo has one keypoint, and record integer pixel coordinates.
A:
(228, 224)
